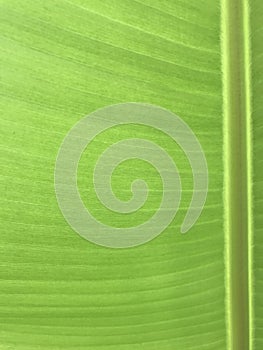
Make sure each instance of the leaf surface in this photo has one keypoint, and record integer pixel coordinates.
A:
(60, 61)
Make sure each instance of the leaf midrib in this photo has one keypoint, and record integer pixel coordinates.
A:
(238, 170)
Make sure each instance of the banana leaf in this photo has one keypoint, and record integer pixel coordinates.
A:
(202, 61)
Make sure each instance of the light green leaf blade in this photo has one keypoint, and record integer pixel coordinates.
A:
(60, 61)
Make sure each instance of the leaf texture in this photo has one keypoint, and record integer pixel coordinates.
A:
(61, 60)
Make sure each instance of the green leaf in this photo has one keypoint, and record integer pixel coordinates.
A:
(62, 60)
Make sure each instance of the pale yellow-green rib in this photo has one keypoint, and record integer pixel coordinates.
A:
(248, 86)
(238, 170)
